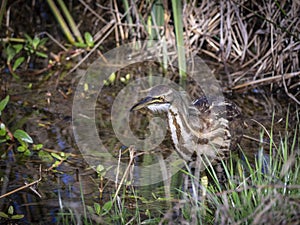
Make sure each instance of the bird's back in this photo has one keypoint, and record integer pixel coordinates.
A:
(215, 122)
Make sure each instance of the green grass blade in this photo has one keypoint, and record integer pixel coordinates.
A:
(177, 8)
(2, 10)
(71, 22)
(61, 21)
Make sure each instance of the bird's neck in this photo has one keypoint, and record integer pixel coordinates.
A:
(188, 133)
(180, 132)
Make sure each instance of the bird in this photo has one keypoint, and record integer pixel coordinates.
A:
(201, 129)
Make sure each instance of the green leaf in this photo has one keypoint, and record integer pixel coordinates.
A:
(80, 45)
(2, 129)
(28, 38)
(112, 78)
(45, 156)
(37, 147)
(17, 217)
(21, 149)
(18, 62)
(86, 87)
(11, 52)
(35, 43)
(23, 136)
(18, 47)
(4, 215)
(89, 39)
(97, 208)
(3, 103)
(100, 168)
(90, 210)
(57, 156)
(105, 83)
(107, 207)
(29, 85)
(27, 152)
(122, 79)
(43, 41)
(2, 140)
(42, 55)
(11, 210)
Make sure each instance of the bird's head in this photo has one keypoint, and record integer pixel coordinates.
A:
(159, 99)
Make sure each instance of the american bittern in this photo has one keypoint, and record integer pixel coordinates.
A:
(200, 129)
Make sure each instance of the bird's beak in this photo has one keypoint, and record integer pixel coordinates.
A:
(144, 103)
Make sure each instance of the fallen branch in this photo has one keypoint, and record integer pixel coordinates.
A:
(23, 187)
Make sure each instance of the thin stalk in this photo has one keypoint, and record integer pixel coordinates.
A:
(2, 10)
(71, 22)
(157, 14)
(128, 16)
(61, 21)
(149, 30)
(176, 6)
(10, 39)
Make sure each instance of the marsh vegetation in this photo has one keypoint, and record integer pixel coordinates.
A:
(252, 48)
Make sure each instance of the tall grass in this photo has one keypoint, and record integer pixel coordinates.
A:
(2, 10)
(265, 190)
(63, 24)
(177, 13)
